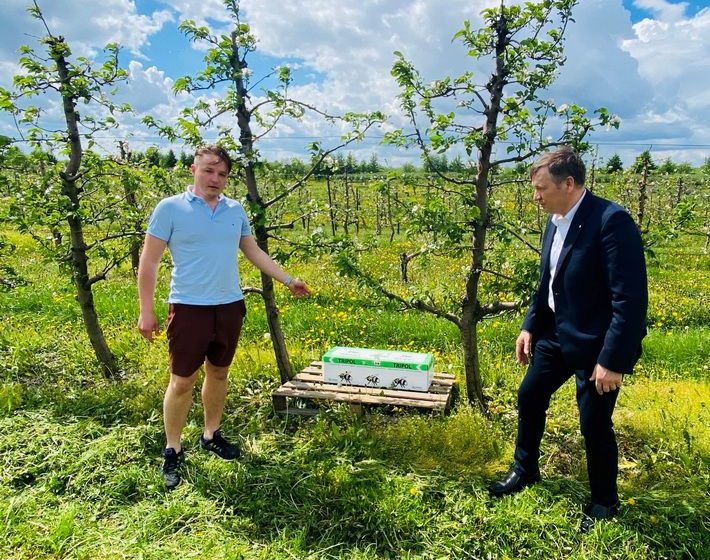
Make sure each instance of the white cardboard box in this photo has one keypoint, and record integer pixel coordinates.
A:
(389, 369)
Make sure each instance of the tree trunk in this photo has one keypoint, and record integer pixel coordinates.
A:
(592, 182)
(643, 185)
(519, 201)
(359, 217)
(472, 368)
(246, 139)
(331, 208)
(378, 215)
(131, 199)
(346, 217)
(79, 257)
(470, 306)
(389, 215)
(85, 297)
(404, 267)
(404, 260)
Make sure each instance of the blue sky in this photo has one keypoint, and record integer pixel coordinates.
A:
(648, 61)
(638, 13)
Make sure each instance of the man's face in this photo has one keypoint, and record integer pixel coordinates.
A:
(210, 173)
(553, 197)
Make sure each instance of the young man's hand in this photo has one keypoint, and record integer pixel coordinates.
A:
(299, 288)
(148, 325)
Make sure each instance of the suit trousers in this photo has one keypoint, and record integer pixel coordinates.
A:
(546, 373)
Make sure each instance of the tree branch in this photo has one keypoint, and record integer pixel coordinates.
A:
(288, 225)
(499, 307)
(518, 236)
(114, 236)
(251, 290)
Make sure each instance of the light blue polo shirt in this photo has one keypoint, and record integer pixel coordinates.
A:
(203, 245)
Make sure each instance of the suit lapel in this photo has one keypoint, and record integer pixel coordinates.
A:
(574, 230)
(547, 243)
(545, 254)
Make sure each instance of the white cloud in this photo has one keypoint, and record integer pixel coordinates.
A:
(88, 26)
(147, 88)
(654, 74)
(668, 52)
(209, 13)
(352, 44)
(673, 58)
(597, 72)
(201, 11)
(662, 9)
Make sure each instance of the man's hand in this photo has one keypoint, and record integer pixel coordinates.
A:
(523, 347)
(298, 288)
(148, 325)
(606, 380)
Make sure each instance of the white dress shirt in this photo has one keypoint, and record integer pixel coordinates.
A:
(561, 224)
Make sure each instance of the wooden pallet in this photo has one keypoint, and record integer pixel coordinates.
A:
(309, 385)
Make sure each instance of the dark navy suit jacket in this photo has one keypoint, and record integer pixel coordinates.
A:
(600, 289)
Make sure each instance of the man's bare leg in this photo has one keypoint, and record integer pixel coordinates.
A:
(214, 393)
(176, 406)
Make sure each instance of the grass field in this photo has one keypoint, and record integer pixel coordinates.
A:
(80, 455)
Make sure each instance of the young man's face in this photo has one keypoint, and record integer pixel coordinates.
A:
(210, 173)
(553, 197)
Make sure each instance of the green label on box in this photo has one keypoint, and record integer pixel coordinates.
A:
(379, 358)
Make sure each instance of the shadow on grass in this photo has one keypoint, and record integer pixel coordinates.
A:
(404, 483)
(407, 485)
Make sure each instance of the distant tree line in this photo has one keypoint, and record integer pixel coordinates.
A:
(349, 164)
(644, 161)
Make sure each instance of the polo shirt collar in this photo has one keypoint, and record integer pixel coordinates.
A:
(190, 195)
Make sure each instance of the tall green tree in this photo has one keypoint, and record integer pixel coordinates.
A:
(614, 165)
(524, 44)
(668, 167)
(242, 120)
(62, 200)
(186, 159)
(169, 160)
(644, 163)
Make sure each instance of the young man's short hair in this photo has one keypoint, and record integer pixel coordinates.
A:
(217, 151)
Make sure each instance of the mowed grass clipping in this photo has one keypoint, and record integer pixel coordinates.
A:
(80, 455)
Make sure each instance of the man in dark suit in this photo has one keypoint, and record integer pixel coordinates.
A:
(586, 320)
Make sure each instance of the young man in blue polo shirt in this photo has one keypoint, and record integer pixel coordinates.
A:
(203, 230)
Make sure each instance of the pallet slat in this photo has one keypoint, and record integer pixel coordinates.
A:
(309, 385)
(360, 398)
(317, 382)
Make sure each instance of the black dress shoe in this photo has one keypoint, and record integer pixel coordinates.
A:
(594, 512)
(512, 483)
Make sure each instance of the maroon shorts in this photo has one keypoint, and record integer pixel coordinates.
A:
(196, 332)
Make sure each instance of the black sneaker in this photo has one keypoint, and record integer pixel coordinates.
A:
(220, 446)
(171, 466)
